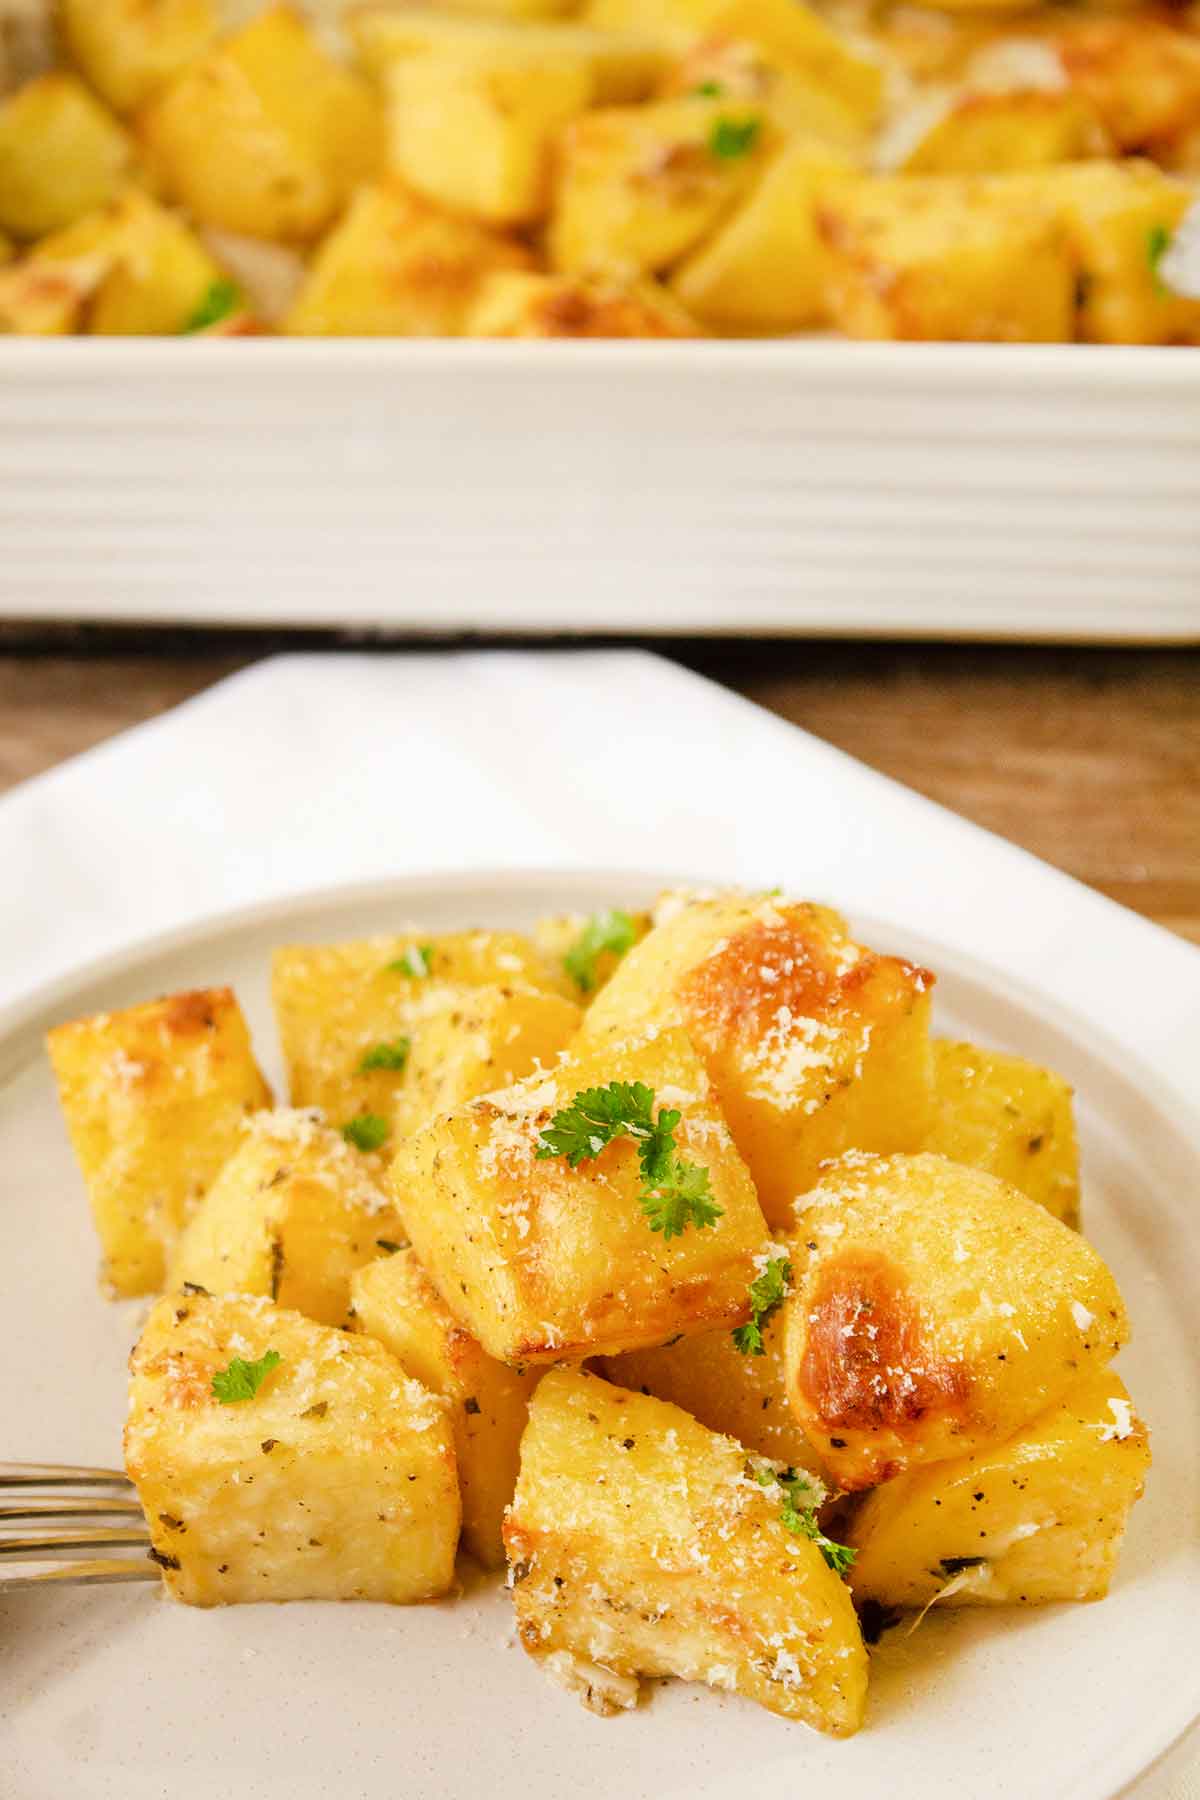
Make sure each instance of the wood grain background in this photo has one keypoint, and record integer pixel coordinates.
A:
(1089, 758)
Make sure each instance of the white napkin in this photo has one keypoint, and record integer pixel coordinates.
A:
(310, 771)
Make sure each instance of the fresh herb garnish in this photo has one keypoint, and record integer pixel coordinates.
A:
(709, 90)
(242, 1380)
(731, 138)
(802, 1495)
(614, 932)
(367, 1131)
(417, 961)
(1158, 242)
(391, 1055)
(222, 299)
(767, 1291)
(675, 1194)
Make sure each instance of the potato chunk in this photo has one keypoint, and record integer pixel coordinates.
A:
(395, 267)
(946, 257)
(335, 1481)
(794, 101)
(586, 948)
(640, 186)
(984, 133)
(640, 1544)
(61, 155)
(1006, 1115)
(154, 1099)
(620, 66)
(767, 268)
(541, 1261)
(268, 135)
(1037, 1518)
(935, 1310)
(343, 1006)
(743, 1396)
(293, 1213)
(128, 49)
(131, 269)
(396, 1303)
(482, 1038)
(814, 1044)
(1140, 74)
(517, 305)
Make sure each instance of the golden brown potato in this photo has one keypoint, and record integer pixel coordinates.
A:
(348, 1013)
(935, 1311)
(132, 269)
(541, 1261)
(946, 257)
(640, 186)
(154, 1099)
(796, 102)
(986, 133)
(1037, 1518)
(395, 267)
(813, 1043)
(61, 156)
(640, 1544)
(1139, 73)
(396, 1303)
(518, 304)
(335, 1480)
(767, 268)
(267, 135)
(293, 1213)
(128, 49)
(482, 1038)
(1010, 1117)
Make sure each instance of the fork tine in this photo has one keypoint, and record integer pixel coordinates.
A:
(17, 1575)
(72, 1506)
(93, 1537)
(41, 1475)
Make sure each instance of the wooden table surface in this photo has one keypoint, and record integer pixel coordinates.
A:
(1089, 758)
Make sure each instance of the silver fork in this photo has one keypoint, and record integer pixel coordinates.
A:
(34, 1500)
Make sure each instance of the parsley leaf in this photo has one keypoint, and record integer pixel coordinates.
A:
(1158, 242)
(675, 1194)
(614, 932)
(221, 299)
(731, 138)
(366, 1131)
(417, 962)
(391, 1055)
(709, 90)
(802, 1495)
(242, 1380)
(767, 1291)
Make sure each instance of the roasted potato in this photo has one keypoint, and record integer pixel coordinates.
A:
(946, 257)
(1037, 1518)
(293, 1213)
(983, 133)
(335, 1480)
(541, 1261)
(155, 1099)
(62, 154)
(396, 267)
(639, 1544)
(396, 1303)
(813, 1043)
(1010, 1117)
(795, 102)
(767, 268)
(132, 269)
(585, 948)
(482, 1038)
(519, 304)
(640, 186)
(268, 135)
(1140, 74)
(935, 1310)
(129, 49)
(347, 1013)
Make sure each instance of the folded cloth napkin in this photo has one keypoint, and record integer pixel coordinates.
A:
(310, 771)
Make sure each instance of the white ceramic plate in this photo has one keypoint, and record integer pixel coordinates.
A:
(947, 490)
(120, 1693)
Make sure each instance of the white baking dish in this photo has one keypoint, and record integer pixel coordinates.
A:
(783, 487)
